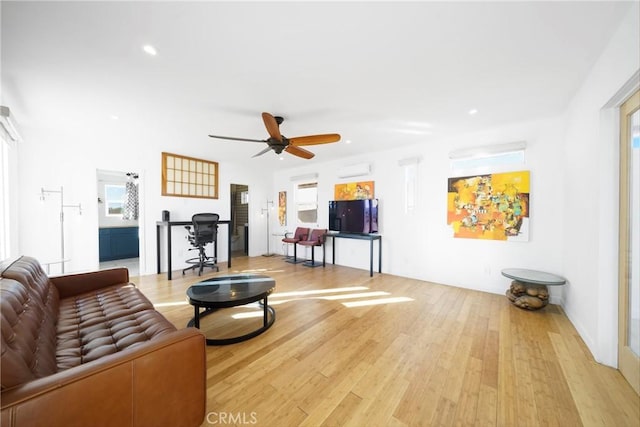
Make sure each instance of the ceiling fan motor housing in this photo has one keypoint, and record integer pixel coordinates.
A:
(278, 146)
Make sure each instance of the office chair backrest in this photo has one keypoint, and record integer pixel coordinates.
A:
(205, 227)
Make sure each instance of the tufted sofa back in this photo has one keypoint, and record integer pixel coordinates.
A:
(29, 306)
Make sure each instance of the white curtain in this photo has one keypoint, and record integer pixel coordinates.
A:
(131, 201)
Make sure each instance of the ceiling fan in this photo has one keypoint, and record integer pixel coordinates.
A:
(278, 142)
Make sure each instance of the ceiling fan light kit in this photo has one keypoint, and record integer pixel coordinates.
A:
(279, 143)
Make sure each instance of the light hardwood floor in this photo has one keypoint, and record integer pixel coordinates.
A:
(347, 349)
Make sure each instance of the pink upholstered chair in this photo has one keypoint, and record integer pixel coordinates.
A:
(300, 234)
(316, 238)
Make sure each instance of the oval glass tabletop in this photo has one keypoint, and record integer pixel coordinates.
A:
(533, 276)
(229, 288)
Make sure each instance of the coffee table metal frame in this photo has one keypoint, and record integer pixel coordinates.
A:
(225, 300)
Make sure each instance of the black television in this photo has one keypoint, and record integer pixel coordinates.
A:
(354, 216)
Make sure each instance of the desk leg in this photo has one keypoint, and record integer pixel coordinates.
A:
(333, 251)
(158, 244)
(380, 255)
(371, 258)
(169, 252)
(228, 245)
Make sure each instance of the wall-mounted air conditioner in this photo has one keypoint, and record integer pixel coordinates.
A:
(354, 170)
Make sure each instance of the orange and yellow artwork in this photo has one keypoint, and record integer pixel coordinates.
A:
(354, 191)
(493, 206)
(282, 208)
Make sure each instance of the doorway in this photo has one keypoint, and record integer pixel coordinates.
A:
(629, 251)
(118, 225)
(239, 227)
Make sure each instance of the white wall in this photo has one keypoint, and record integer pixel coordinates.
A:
(591, 159)
(420, 244)
(71, 160)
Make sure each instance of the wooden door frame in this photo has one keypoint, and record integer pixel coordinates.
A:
(627, 360)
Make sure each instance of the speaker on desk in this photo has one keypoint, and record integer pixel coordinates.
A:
(165, 216)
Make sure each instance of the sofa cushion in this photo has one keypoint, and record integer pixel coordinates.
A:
(103, 322)
(29, 305)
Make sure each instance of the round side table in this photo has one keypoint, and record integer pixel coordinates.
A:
(529, 287)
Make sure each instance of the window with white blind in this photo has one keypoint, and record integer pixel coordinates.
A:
(307, 202)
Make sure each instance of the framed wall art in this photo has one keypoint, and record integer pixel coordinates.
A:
(354, 191)
(492, 206)
(282, 208)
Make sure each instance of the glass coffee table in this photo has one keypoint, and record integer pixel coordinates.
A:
(232, 291)
(529, 287)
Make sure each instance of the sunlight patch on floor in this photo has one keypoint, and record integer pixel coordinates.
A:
(331, 297)
(170, 304)
(248, 315)
(317, 291)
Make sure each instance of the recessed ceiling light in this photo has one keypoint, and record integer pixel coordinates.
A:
(281, 158)
(347, 141)
(473, 111)
(150, 49)
(114, 117)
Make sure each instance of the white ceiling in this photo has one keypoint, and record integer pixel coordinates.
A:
(380, 74)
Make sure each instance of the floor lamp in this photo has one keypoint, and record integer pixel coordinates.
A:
(267, 209)
(43, 194)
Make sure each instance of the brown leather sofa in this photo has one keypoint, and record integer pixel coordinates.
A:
(90, 349)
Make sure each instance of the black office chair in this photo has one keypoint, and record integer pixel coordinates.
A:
(205, 231)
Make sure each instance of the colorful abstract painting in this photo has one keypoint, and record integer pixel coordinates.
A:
(282, 208)
(354, 191)
(493, 206)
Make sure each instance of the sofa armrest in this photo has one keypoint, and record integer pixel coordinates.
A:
(160, 382)
(74, 284)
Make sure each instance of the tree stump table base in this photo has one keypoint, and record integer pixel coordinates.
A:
(528, 297)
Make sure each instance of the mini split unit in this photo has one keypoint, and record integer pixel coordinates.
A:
(354, 170)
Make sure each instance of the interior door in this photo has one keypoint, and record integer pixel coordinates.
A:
(239, 227)
(629, 255)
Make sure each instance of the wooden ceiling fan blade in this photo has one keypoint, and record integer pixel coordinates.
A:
(262, 152)
(314, 139)
(272, 126)
(237, 139)
(300, 152)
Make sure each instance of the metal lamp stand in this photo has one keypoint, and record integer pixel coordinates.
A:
(269, 203)
(43, 194)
